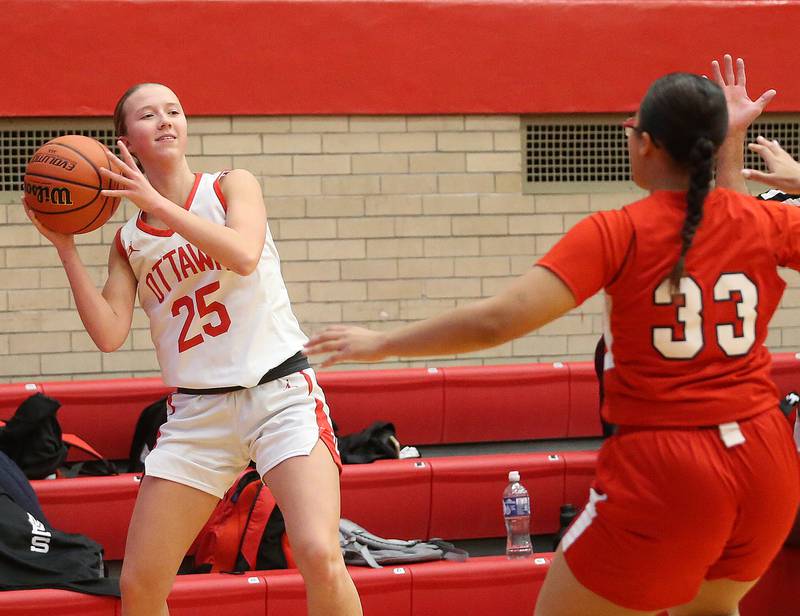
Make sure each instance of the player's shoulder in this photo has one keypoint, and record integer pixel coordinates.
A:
(229, 177)
(232, 182)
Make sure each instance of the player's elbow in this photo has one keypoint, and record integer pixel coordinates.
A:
(494, 325)
(107, 344)
(245, 265)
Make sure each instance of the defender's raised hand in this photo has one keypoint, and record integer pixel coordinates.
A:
(784, 171)
(742, 110)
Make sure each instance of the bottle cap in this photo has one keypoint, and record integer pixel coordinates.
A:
(513, 476)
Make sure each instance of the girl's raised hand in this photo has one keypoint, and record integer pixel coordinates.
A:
(132, 182)
(344, 342)
(742, 111)
(784, 171)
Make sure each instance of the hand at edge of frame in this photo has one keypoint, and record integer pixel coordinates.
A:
(784, 171)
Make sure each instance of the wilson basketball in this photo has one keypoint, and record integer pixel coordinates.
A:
(62, 184)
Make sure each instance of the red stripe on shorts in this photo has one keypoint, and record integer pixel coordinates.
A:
(325, 429)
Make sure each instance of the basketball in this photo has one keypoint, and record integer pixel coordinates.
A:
(62, 184)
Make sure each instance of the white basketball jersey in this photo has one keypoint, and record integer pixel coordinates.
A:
(210, 326)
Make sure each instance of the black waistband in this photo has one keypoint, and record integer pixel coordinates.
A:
(295, 363)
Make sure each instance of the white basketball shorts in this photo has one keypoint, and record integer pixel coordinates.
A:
(209, 439)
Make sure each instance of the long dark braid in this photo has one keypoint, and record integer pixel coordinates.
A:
(688, 116)
(701, 163)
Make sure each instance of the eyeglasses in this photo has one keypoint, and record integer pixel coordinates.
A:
(629, 126)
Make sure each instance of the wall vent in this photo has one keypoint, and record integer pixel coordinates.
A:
(579, 154)
(17, 145)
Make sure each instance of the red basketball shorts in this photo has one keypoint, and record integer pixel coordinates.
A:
(671, 508)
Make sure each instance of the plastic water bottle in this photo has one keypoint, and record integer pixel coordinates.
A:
(517, 513)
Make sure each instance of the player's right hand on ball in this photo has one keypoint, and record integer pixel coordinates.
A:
(59, 240)
(344, 342)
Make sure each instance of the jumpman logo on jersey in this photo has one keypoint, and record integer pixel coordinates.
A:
(131, 250)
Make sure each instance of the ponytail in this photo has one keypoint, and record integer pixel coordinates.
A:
(687, 115)
(701, 163)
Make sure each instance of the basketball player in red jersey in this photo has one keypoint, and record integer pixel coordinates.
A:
(698, 488)
(200, 256)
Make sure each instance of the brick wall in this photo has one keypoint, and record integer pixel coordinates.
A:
(378, 221)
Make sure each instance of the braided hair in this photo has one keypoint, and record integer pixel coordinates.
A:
(687, 115)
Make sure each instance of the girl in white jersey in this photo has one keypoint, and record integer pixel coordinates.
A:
(200, 256)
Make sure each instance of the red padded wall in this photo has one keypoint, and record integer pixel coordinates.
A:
(580, 468)
(786, 372)
(390, 498)
(12, 395)
(62, 602)
(213, 594)
(584, 401)
(479, 587)
(98, 507)
(104, 412)
(503, 403)
(256, 57)
(466, 500)
(411, 398)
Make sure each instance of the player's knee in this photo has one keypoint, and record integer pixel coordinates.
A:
(142, 584)
(319, 559)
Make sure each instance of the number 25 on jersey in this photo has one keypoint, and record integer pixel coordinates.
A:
(730, 287)
(202, 309)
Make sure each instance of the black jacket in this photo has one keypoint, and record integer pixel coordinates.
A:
(35, 555)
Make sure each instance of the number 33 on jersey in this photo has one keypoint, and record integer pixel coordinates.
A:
(685, 339)
(672, 354)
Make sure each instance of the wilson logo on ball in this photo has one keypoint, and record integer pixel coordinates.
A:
(57, 195)
(55, 161)
(64, 186)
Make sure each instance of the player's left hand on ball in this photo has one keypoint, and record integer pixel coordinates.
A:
(56, 239)
(132, 182)
(344, 342)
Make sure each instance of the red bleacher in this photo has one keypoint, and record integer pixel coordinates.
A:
(477, 587)
(428, 406)
(401, 498)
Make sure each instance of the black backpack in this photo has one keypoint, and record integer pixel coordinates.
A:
(32, 437)
(377, 442)
(146, 433)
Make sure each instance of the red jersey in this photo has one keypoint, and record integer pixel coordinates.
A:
(701, 359)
